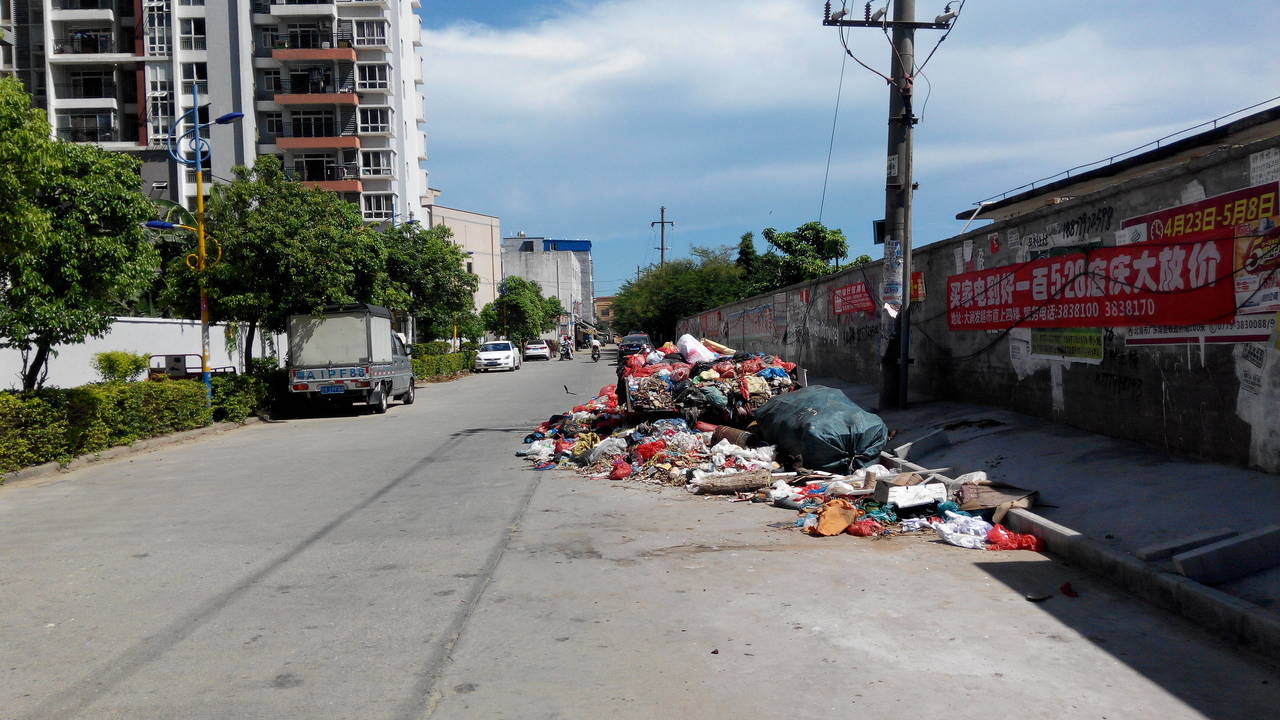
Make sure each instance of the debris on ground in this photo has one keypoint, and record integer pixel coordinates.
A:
(723, 423)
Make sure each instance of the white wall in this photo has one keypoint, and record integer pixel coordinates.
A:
(73, 364)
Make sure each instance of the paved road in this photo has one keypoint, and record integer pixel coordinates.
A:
(408, 566)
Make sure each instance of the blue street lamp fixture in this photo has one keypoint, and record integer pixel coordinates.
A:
(191, 149)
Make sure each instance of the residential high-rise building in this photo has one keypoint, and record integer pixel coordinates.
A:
(332, 87)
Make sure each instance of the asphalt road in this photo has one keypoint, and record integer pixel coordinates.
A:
(407, 566)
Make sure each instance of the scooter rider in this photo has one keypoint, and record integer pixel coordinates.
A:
(566, 347)
(595, 348)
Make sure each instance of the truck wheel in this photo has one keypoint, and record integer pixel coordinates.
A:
(407, 397)
(381, 406)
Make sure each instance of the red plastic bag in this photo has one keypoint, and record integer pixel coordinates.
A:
(788, 366)
(751, 366)
(679, 371)
(564, 445)
(579, 408)
(635, 361)
(607, 390)
(865, 528)
(621, 469)
(644, 451)
(1001, 538)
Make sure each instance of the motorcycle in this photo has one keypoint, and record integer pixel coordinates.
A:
(595, 353)
(564, 352)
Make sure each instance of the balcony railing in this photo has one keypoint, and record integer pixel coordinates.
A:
(335, 171)
(91, 42)
(98, 134)
(84, 5)
(286, 87)
(82, 91)
(315, 40)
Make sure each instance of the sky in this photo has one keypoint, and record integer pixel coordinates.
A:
(579, 118)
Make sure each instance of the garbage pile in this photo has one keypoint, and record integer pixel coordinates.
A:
(717, 385)
(718, 422)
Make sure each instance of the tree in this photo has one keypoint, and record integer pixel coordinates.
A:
(425, 275)
(72, 249)
(520, 313)
(747, 255)
(655, 302)
(861, 261)
(286, 249)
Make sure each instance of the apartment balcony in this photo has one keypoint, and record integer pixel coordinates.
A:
(307, 93)
(91, 47)
(294, 138)
(83, 10)
(288, 9)
(90, 96)
(334, 177)
(310, 47)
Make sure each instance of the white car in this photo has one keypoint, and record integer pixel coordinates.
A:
(537, 349)
(497, 355)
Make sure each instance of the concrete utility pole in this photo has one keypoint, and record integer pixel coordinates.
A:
(662, 222)
(895, 286)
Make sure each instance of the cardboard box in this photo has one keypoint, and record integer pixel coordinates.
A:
(909, 490)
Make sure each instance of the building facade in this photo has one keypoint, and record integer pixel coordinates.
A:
(331, 87)
(561, 267)
(480, 237)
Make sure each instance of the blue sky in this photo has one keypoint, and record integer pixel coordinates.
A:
(577, 119)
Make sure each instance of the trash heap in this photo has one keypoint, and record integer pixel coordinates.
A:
(718, 422)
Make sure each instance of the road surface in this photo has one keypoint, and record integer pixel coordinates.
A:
(408, 566)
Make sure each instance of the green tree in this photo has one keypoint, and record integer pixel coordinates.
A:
(72, 249)
(520, 313)
(656, 301)
(747, 255)
(425, 276)
(285, 249)
(861, 261)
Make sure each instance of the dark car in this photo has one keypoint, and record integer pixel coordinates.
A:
(631, 344)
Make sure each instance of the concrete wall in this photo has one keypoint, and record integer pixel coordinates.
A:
(557, 272)
(480, 235)
(73, 364)
(1204, 391)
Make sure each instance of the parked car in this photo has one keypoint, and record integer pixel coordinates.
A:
(497, 355)
(537, 349)
(632, 344)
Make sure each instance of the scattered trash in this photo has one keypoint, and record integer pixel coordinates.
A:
(1067, 590)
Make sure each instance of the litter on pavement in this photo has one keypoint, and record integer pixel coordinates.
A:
(724, 423)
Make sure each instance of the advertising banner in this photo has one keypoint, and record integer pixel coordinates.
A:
(1221, 211)
(851, 299)
(1177, 283)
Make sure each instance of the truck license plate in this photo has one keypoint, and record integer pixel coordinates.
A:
(332, 389)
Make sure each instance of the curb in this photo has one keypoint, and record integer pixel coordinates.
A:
(1226, 616)
(36, 472)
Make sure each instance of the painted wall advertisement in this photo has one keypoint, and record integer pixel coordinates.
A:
(1176, 283)
(851, 298)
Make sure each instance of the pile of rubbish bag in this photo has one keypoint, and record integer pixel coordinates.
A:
(809, 450)
(705, 380)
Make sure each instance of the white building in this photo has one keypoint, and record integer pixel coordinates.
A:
(560, 267)
(332, 87)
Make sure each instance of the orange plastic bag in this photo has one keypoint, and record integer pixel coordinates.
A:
(865, 528)
(1001, 538)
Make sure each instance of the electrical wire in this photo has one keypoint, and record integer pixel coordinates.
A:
(844, 61)
(951, 26)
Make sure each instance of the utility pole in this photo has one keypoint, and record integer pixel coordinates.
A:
(662, 222)
(895, 286)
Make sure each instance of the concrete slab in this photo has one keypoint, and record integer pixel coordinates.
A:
(1160, 551)
(1232, 558)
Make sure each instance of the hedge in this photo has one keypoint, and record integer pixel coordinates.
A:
(426, 366)
(60, 424)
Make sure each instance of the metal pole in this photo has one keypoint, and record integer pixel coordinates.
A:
(200, 245)
(662, 222)
(897, 203)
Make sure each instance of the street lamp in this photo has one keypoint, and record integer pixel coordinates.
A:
(197, 147)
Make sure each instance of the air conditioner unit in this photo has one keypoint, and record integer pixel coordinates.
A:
(325, 45)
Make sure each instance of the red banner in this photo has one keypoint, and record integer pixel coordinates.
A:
(1183, 283)
(1208, 215)
(851, 298)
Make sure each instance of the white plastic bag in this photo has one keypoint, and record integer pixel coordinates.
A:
(609, 447)
(693, 350)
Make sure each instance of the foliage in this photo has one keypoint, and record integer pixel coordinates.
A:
(120, 366)
(861, 261)
(435, 347)
(468, 325)
(520, 313)
(656, 301)
(286, 249)
(56, 424)
(795, 256)
(236, 397)
(429, 366)
(73, 252)
(425, 275)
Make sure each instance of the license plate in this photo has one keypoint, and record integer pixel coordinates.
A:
(332, 389)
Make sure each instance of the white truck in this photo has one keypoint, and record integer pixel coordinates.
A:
(347, 354)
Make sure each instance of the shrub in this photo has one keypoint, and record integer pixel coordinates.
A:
(236, 397)
(57, 424)
(120, 366)
(437, 347)
(427, 366)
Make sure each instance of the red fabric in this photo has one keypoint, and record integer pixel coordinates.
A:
(647, 450)
(1001, 538)
(788, 366)
(704, 426)
(865, 528)
(621, 469)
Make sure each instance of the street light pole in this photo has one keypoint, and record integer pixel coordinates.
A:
(193, 142)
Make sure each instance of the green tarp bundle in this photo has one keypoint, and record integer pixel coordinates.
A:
(822, 429)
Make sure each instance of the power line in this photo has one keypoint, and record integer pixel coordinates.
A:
(844, 61)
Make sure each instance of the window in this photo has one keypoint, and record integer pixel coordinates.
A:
(375, 120)
(372, 77)
(192, 34)
(313, 123)
(192, 3)
(157, 33)
(375, 162)
(469, 266)
(269, 82)
(270, 37)
(195, 75)
(159, 103)
(272, 124)
(371, 33)
(378, 206)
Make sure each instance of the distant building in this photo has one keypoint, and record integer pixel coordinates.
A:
(603, 307)
(560, 267)
(479, 236)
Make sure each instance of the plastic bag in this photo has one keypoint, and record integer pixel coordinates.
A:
(1001, 538)
(693, 350)
(621, 469)
(823, 429)
(865, 528)
(647, 450)
(611, 447)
